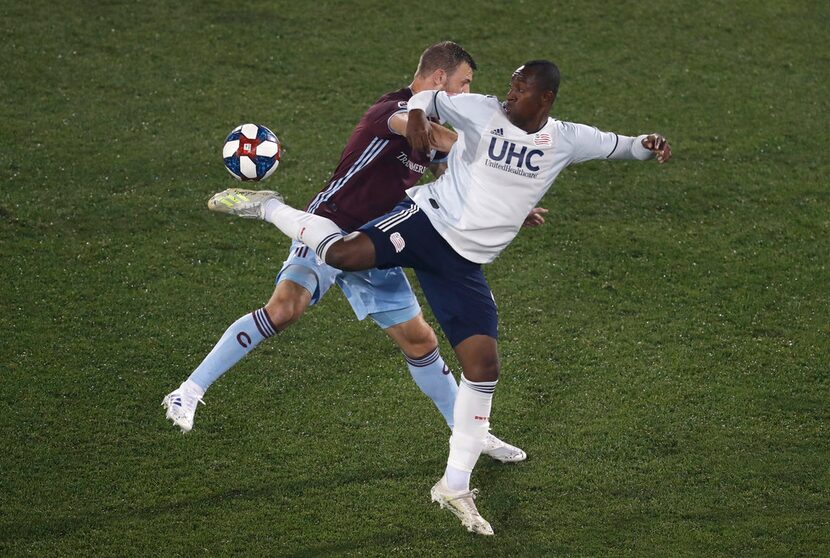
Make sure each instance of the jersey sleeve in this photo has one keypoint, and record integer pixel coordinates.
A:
(379, 114)
(465, 111)
(588, 143)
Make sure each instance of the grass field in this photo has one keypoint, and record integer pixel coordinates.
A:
(665, 338)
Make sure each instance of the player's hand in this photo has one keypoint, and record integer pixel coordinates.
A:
(419, 131)
(659, 145)
(442, 139)
(535, 217)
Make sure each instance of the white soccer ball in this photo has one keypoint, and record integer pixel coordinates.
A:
(251, 152)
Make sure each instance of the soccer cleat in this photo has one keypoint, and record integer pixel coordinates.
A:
(247, 204)
(181, 405)
(462, 504)
(502, 451)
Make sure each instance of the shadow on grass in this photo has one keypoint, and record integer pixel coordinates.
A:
(489, 473)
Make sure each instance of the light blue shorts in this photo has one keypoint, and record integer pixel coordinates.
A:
(382, 294)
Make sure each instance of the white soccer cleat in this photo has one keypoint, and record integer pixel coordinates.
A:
(462, 504)
(247, 204)
(181, 405)
(502, 451)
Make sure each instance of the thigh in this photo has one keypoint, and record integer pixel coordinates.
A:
(378, 291)
(404, 237)
(300, 261)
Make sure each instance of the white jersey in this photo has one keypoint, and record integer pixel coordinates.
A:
(497, 172)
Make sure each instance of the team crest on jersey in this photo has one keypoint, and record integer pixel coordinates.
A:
(543, 140)
(397, 241)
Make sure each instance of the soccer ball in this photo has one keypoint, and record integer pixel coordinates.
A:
(251, 152)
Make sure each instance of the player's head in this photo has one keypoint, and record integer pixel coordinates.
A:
(447, 67)
(533, 89)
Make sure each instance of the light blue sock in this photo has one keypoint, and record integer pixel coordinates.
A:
(434, 378)
(239, 340)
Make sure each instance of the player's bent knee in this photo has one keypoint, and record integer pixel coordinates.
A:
(414, 337)
(284, 312)
(354, 252)
(422, 335)
(479, 358)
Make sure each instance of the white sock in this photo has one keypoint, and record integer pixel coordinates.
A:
(318, 233)
(472, 422)
(457, 479)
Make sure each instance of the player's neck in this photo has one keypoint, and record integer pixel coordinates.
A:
(538, 125)
(532, 125)
(419, 85)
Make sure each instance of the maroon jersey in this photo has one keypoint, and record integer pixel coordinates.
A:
(376, 167)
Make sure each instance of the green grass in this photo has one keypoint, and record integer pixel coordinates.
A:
(664, 337)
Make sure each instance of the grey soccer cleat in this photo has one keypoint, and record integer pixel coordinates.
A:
(502, 451)
(248, 204)
(462, 504)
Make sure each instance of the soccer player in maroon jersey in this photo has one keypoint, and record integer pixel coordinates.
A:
(375, 168)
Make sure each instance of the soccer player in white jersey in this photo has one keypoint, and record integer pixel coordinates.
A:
(376, 167)
(506, 157)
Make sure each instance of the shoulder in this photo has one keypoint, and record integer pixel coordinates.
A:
(471, 99)
(572, 131)
(470, 106)
(397, 98)
(389, 104)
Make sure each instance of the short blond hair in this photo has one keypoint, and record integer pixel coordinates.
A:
(446, 56)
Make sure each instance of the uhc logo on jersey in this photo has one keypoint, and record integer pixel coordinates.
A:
(511, 155)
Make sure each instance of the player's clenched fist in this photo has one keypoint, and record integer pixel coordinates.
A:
(659, 145)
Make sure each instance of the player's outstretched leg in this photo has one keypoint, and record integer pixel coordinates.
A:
(247, 204)
(318, 233)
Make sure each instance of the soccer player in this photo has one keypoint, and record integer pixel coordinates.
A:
(506, 157)
(376, 168)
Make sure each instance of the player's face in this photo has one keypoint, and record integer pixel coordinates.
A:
(525, 104)
(459, 81)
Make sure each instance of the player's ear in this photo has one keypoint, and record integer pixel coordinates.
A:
(548, 97)
(439, 78)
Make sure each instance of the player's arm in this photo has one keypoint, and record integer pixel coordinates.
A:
(466, 112)
(418, 130)
(589, 143)
(642, 147)
(441, 138)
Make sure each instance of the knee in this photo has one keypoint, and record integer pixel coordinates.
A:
(421, 335)
(479, 358)
(284, 311)
(339, 256)
(354, 252)
(486, 369)
(419, 344)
